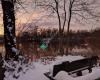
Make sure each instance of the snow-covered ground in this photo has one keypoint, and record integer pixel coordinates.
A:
(37, 71)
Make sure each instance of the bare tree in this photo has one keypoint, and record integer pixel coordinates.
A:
(59, 8)
(81, 10)
(65, 10)
(55, 6)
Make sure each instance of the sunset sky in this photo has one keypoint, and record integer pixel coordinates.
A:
(38, 17)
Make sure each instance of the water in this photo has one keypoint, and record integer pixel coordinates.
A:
(74, 51)
(2, 50)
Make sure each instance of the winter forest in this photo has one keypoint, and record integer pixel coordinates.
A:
(49, 40)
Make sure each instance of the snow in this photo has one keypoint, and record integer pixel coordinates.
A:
(14, 49)
(6, 64)
(37, 69)
(10, 29)
(68, 58)
(14, 39)
(91, 76)
(63, 76)
(9, 20)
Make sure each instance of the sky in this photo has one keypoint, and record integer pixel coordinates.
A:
(39, 17)
(1, 22)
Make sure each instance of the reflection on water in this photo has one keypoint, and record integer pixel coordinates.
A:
(82, 51)
(2, 49)
(31, 49)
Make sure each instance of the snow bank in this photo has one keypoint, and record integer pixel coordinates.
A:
(68, 58)
(62, 75)
(90, 76)
(37, 73)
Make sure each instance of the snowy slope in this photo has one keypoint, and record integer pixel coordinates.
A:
(37, 72)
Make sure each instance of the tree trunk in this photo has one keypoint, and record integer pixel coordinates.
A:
(61, 43)
(68, 26)
(9, 28)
